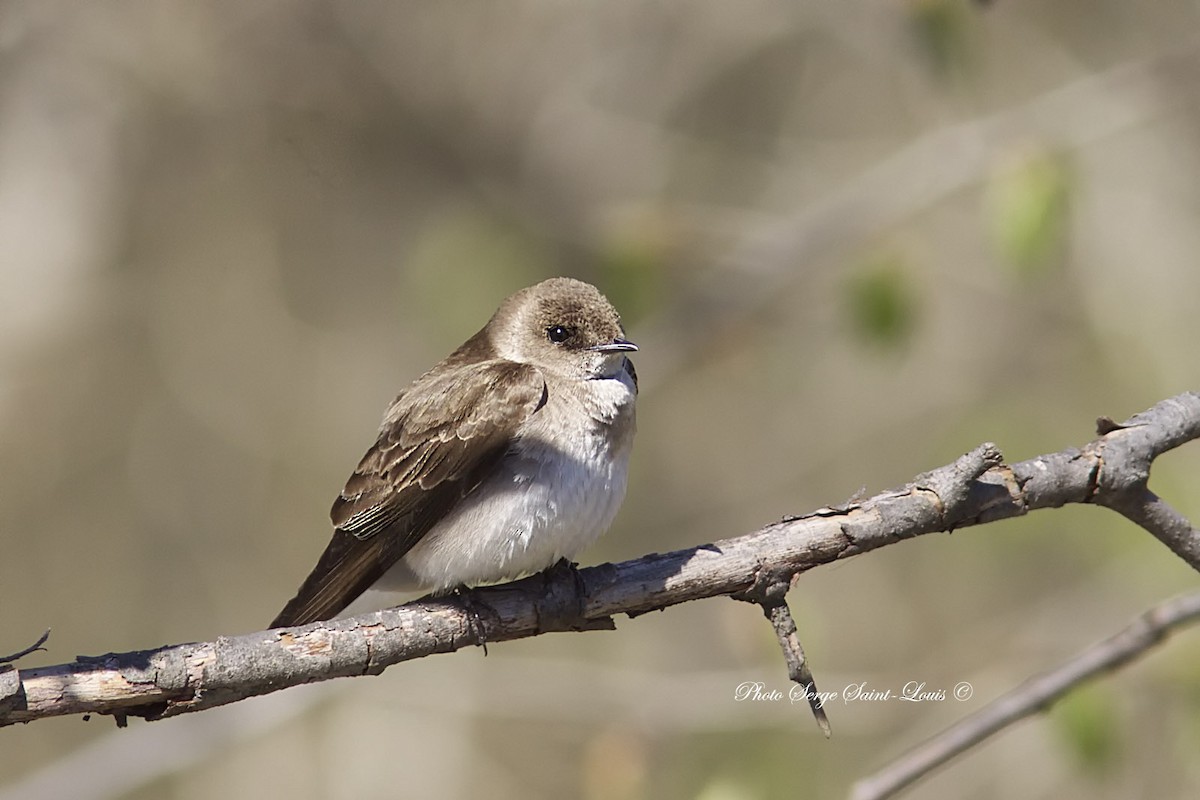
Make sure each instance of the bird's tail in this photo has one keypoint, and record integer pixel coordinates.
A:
(346, 569)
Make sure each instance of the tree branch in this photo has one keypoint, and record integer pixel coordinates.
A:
(1034, 695)
(977, 488)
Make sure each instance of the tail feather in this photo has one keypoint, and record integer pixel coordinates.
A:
(346, 569)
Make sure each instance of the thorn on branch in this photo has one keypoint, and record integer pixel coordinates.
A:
(769, 592)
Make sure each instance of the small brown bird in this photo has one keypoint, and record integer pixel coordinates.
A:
(507, 456)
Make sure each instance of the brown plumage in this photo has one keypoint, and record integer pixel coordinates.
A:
(445, 434)
(410, 478)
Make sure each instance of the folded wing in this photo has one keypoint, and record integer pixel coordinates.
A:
(439, 440)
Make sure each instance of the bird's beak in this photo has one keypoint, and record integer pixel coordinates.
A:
(615, 346)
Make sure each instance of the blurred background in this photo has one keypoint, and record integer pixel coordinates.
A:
(853, 239)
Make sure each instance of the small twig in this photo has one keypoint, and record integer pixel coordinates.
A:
(769, 592)
(797, 665)
(31, 649)
(1156, 515)
(1034, 695)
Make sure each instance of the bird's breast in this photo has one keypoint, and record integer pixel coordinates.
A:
(554, 492)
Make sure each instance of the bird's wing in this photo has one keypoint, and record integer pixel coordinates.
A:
(439, 440)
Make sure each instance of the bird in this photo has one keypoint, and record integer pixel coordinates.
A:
(506, 458)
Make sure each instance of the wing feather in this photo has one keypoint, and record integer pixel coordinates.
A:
(439, 440)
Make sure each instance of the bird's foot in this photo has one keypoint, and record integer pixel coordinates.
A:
(473, 606)
(562, 568)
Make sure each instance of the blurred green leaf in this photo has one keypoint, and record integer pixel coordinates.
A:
(1088, 722)
(1028, 196)
(632, 265)
(464, 262)
(880, 303)
(941, 28)
(722, 788)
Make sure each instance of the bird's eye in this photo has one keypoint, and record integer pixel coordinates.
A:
(558, 334)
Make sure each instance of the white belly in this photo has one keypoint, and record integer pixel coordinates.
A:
(551, 497)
